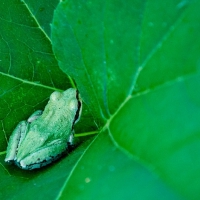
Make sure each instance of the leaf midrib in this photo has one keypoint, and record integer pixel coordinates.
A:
(170, 30)
(36, 21)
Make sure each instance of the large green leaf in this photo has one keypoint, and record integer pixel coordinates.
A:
(139, 67)
(136, 65)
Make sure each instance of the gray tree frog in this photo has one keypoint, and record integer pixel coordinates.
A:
(46, 135)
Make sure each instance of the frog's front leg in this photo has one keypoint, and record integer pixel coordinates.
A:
(72, 142)
(15, 140)
(24, 130)
(35, 115)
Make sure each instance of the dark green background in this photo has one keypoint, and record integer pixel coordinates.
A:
(136, 65)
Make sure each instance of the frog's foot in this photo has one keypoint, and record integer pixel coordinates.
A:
(72, 142)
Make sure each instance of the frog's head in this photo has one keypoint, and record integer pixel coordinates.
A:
(69, 101)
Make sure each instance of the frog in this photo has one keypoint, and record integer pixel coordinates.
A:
(46, 135)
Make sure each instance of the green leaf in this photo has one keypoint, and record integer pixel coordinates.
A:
(136, 65)
(42, 11)
(139, 68)
(105, 172)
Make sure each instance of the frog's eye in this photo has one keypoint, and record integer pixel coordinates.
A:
(72, 104)
(55, 96)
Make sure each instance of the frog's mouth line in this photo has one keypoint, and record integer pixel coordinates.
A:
(78, 112)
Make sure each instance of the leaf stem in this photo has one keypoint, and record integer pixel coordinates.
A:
(85, 134)
(3, 152)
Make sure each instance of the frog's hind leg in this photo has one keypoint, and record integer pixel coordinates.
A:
(43, 156)
(35, 115)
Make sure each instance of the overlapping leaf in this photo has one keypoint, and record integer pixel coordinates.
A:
(137, 75)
